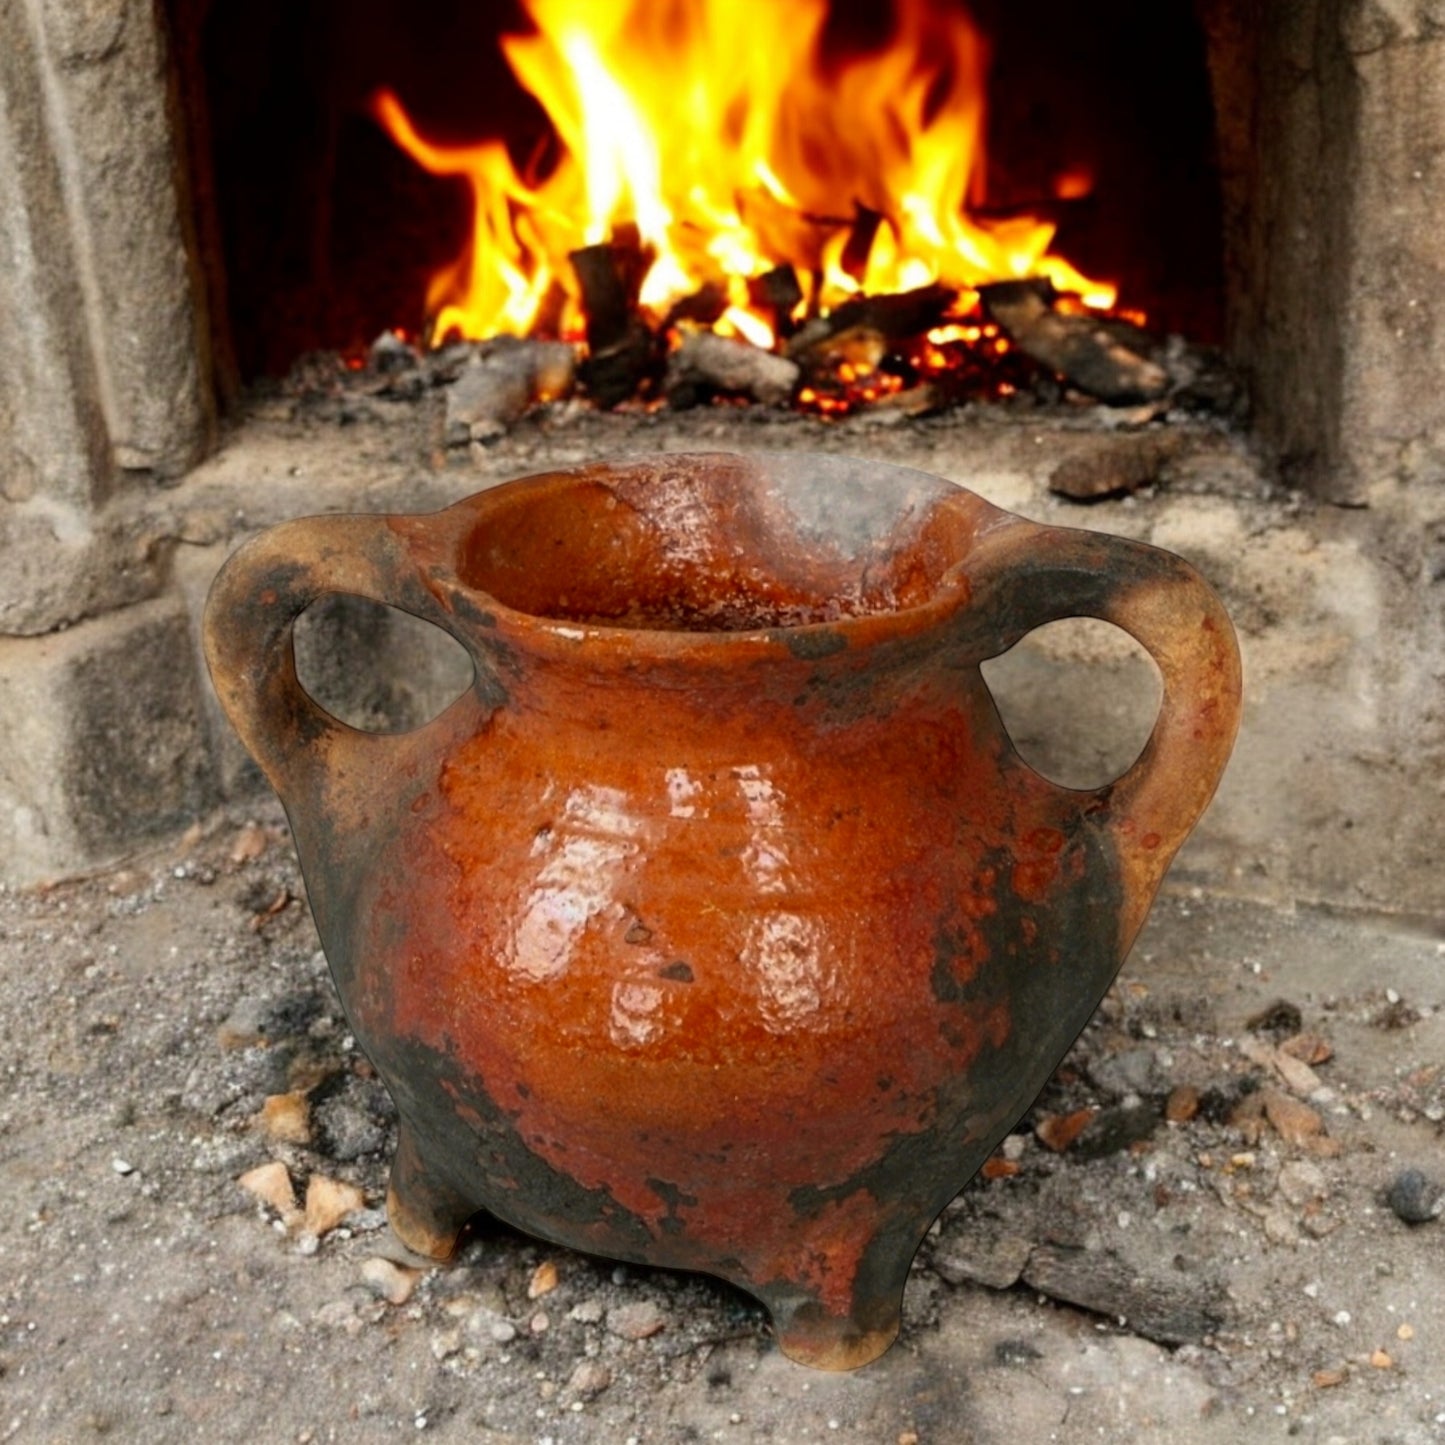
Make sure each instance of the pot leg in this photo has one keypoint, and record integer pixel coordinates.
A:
(807, 1335)
(810, 1334)
(427, 1213)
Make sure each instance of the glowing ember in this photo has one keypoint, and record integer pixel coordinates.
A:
(723, 138)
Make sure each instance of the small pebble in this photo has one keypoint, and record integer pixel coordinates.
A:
(286, 1118)
(271, 1184)
(589, 1379)
(1415, 1198)
(1182, 1104)
(493, 1326)
(1301, 1182)
(389, 1281)
(328, 1202)
(638, 1321)
(121, 1167)
(543, 1281)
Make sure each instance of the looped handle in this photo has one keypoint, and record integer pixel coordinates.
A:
(248, 638)
(1023, 575)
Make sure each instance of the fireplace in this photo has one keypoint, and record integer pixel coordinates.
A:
(195, 195)
(844, 150)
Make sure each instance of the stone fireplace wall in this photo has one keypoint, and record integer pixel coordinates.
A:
(1329, 116)
(105, 398)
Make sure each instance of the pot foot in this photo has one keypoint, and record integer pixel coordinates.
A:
(807, 1336)
(427, 1215)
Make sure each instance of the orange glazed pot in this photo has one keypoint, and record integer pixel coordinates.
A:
(718, 925)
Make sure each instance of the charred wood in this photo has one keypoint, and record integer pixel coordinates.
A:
(894, 317)
(777, 290)
(705, 306)
(1116, 469)
(610, 275)
(504, 380)
(1170, 1312)
(856, 249)
(706, 365)
(622, 351)
(620, 372)
(1078, 348)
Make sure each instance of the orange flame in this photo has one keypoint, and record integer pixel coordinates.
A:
(725, 138)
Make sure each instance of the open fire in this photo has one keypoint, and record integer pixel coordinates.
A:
(725, 172)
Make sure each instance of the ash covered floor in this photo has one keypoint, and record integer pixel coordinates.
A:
(1195, 1233)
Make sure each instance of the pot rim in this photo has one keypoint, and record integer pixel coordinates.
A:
(436, 540)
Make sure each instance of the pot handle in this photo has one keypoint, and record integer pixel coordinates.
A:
(248, 637)
(1024, 574)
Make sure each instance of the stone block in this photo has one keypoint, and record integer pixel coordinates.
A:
(104, 365)
(111, 94)
(63, 563)
(53, 437)
(105, 741)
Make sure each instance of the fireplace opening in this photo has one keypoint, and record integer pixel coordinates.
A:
(325, 233)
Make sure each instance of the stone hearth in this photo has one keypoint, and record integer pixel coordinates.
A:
(1324, 528)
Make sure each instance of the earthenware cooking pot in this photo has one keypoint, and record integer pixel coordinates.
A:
(719, 925)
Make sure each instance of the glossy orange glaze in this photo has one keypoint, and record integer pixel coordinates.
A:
(720, 926)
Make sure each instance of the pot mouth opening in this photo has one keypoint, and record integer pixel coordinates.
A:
(717, 544)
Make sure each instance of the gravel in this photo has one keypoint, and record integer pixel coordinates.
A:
(160, 1279)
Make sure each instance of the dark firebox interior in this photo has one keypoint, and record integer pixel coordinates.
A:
(320, 233)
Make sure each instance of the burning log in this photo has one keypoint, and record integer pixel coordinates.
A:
(777, 291)
(1077, 347)
(622, 352)
(617, 374)
(854, 260)
(504, 380)
(707, 364)
(610, 275)
(705, 306)
(893, 317)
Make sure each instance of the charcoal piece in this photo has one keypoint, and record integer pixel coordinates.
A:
(1079, 348)
(1278, 1020)
(617, 373)
(777, 291)
(610, 275)
(894, 317)
(854, 260)
(705, 306)
(859, 347)
(390, 354)
(446, 363)
(917, 400)
(1117, 1128)
(1203, 380)
(1117, 468)
(1170, 1312)
(503, 380)
(707, 364)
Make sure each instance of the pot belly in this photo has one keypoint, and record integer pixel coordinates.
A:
(677, 1027)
